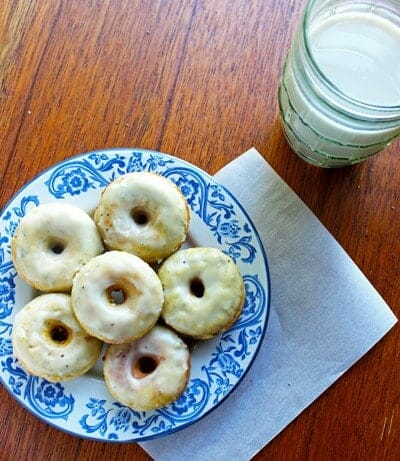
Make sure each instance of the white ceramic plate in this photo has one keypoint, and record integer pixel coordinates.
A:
(83, 406)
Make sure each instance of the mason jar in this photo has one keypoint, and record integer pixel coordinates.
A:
(339, 95)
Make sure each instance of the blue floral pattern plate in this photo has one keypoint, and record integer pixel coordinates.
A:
(83, 406)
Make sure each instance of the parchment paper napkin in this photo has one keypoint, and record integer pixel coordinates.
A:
(324, 316)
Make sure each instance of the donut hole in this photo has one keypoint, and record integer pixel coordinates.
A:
(56, 246)
(144, 365)
(140, 216)
(116, 295)
(57, 332)
(197, 287)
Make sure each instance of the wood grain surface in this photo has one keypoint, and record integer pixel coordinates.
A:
(197, 79)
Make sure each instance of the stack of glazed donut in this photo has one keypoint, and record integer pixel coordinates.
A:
(122, 280)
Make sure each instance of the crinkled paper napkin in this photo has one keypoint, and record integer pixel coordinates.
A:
(325, 315)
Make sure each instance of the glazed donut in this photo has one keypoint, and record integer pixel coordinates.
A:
(203, 292)
(117, 297)
(51, 243)
(144, 214)
(49, 342)
(150, 372)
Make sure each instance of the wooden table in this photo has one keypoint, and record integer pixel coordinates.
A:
(197, 79)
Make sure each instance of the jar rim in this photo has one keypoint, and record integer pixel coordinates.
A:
(385, 111)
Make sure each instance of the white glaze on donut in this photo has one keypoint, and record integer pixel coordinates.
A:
(106, 317)
(203, 292)
(144, 387)
(49, 342)
(144, 214)
(51, 243)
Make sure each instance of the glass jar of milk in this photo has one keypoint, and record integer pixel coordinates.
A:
(339, 97)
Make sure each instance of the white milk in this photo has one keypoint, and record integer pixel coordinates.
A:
(359, 54)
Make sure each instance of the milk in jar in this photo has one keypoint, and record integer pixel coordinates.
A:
(339, 96)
